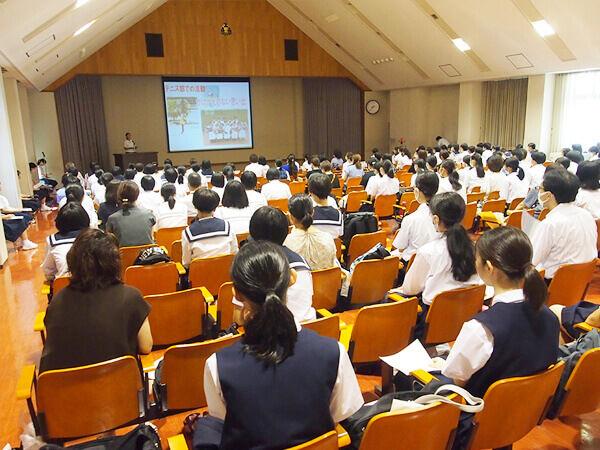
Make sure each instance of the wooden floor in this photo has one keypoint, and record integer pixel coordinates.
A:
(20, 300)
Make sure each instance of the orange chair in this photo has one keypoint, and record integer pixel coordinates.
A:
(355, 199)
(543, 214)
(494, 206)
(191, 219)
(326, 326)
(516, 202)
(470, 214)
(476, 189)
(176, 252)
(371, 280)
(570, 282)
(210, 272)
(351, 189)
(405, 179)
(407, 197)
(279, 203)
(326, 287)
(475, 197)
(338, 192)
(166, 236)
(129, 254)
(494, 195)
(338, 247)
(351, 182)
(225, 306)
(327, 441)
(160, 278)
(297, 187)
(598, 230)
(242, 237)
(362, 243)
(414, 205)
(384, 205)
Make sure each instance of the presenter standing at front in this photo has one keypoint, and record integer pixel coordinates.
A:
(129, 146)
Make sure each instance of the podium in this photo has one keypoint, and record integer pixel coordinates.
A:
(124, 159)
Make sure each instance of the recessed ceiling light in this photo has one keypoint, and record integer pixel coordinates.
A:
(81, 3)
(83, 28)
(462, 45)
(543, 28)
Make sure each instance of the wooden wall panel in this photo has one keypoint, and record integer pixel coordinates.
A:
(194, 45)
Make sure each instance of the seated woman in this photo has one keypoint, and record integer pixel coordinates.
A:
(235, 207)
(301, 382)
(96, 318)
(171, 212)
(384, 183)
(110, 205)
(71, 219)
(515, 186)
(588, 196)
(15, 223)
(75, 193)
(450, 180)
(131, 225)
(477, 173)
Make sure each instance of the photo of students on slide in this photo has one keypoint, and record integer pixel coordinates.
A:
(228, 126)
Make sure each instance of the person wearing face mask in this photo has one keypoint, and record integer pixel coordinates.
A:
(449, 181)
(417, 228)
(568, 234)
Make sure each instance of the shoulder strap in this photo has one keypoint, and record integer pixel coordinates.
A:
(474, 404)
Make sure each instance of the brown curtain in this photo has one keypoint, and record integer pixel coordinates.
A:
(332, 116)
(503, 112)
(80, 109)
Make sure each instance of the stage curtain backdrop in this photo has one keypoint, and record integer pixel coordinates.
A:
(332, 116)
(80, 110)
(503, 112)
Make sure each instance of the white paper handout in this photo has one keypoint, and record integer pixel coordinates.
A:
(411, 358)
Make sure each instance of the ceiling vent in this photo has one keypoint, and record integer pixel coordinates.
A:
(519, 61)
(450, 70)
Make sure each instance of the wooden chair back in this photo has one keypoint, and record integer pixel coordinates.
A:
(354, 200)
(242, 237)
(182, 373)
(225, 305)
(413, 428)
(177, 316)
(513, 407)
(405, 178)
(166, 236)
(327, 441)
(382, 330)
(475, 197)
(372, 279)
(176, 252)
(407, 197)
(570, 283)
(449, 311)
(414, 205)
(410, 261)
(59, 283)
(580, 399)
(384, 205)
(279, 203)
(543, 213)
(326, 326)
(476, 189)
(351, 189)
(362, 243)
(338, 247)
(494, 206)
(494, 195)
(160, 278)
(338, 192)
(515, 202)
(90, 399)
(190, 220)
(297, 187)
(129, 254)
(350, 182)
(514, 219)
(261, 181)
(326, 287)
(470, 214)
(210, 272)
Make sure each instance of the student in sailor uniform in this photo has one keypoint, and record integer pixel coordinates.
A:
(207, 236)
(280, 385)
(326, 217)
(71, 219)
(271, 224)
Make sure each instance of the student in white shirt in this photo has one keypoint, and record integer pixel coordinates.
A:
(148, 199)
(495, 179)
(171, 212)
(384, 183)
(568, 234)
(207, 236)
(129, 146)
(535, 174)
(218, 183)
(262, 162)
(235, 208)
(71, 219)
(255, 198)
(254, 166)
(137, 178)
(194, 181)
(515, 186)
(420, 167)
(326, 217)
(100, 192)
(450, 181)
(476, 176)
(576, 158)
(75, 193)
(173, 176)
(275, 189)
(588, 197)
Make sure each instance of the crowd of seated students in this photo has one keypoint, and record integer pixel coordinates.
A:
(272, 269)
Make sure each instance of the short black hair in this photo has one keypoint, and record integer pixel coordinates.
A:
(171, 175)
(269, 224)
(249, 180)
(575, 156)
(130, 174)
(495, 163)
(196, 167)
(428, 183)
(319, 184)
(588, 173)
(149, 169)
(72, 217)
(194, 180)
(148, 182)
(273, 174)
(205, 200)
(563, 185)
(234, 195)
(116, 171)
(538, 157)
(564, 161)
(218, 180)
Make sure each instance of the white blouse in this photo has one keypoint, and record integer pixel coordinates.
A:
(168, 218)
(238, 218)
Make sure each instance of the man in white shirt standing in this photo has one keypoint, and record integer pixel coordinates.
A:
(129, 146)
(254, 166)
(275, 189)
(568, 235)
(442, 141)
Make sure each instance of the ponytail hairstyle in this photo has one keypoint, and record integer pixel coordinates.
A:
(168, 192)
(453, 177)
(301, 207)
(513, 163)
(261, 274)
(450, 208)
(510, 250)
(476, 157)
(291, 161)
(356, 161)
(180, 174)
(74, 193)
(388, 168)
(127, 194)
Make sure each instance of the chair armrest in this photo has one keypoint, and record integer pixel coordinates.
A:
(366, 202)
(584, 326)
(400, 207)
(147, 363)
(177, 442)
(38, 324)
(25, 382)
(208, 297)
(423, 376)
(165, 249)
(396, 297)
(344, 276)
(46, 287)
(324, 312)
(180, 268)
(343, 247)
(343, 436)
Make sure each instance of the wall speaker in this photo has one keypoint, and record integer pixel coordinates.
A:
(291, 49)
(154, 45)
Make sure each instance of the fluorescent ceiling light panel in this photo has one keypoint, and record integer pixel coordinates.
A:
(81, 3)
(543, 28)
(83, 28)
(462, 45)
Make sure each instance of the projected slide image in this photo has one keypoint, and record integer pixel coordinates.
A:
(208, 114)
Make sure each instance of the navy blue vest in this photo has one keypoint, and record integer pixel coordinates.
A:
(63, 238)
(327, 215)
(207, 228)
(278, 407)
(296, 261)
(524, 343)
